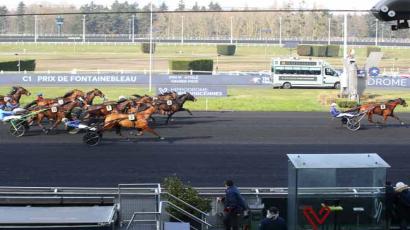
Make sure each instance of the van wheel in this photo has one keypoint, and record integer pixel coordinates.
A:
(287, 85)
(337, 85)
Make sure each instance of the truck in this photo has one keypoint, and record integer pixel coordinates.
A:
(288, 73)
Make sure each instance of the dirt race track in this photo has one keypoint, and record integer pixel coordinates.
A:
(204, 149)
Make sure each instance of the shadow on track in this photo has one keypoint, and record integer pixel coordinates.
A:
(168, 140)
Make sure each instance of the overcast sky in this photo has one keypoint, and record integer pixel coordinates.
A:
(330, 4)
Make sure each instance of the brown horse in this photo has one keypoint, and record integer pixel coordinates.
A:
(385, 110)
(89, 96)
(69, 96)
(170, 107)
(164, 96)
(15, 95)
(168, 96)
(57, 112)
(135, 119)
(106, 108)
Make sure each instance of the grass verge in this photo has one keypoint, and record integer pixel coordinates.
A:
(129, 57)
(239, 99)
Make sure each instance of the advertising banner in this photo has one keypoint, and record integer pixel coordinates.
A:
(196, 91)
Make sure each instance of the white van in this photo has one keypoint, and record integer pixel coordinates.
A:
(288, 73)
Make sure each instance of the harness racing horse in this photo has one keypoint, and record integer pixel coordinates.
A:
(170, 107)
(168, 96)
(69, 96)
(15, 95)
(135, 119)
(385, 110)
(106, 108)
(89, 96)
(57, 112)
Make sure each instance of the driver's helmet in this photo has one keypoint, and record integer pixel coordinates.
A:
(7, 99)
(39, 94)
(64, 120)
(122, 98)
(333, 105)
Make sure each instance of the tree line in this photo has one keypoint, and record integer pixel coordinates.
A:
(314, 25)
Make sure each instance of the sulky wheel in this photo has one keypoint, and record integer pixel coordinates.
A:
(92, 138)
(353, 125)
(17, 130)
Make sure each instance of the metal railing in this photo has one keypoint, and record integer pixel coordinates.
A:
(189, 206)
(159, 214)
(157, 202)
(219, 37)
(155, 190)
(203, 191)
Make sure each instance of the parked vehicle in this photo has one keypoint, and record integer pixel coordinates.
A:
(288, 73)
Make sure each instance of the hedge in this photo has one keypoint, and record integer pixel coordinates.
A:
(25, 65)
(346, 104)
(184, 67)
(145, 48)
(373, 49)
(304, 50)
(319, 51)
(332, 51)
(227, 50)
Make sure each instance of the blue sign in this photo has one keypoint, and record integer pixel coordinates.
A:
(168, 81)
(197, 91)
(374, 71)
(130, 78)
(388, 82)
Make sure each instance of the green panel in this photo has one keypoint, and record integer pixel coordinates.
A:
(145, 48)
(319, 51)
(25, 65)
(227, 50)
(304, 50)
(332, 51)
(197, 66)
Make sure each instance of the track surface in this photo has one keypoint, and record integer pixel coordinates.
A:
(204, 149)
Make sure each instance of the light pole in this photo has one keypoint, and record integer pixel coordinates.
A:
(182, 29)
(267, 31)
(35, 28)
(280, 30)
(84, 28)
(345, 36)
(377, 31)
(150, 50)
(231, 29)
(19, 62)
(217, 63)
(328, 34)
(129, 29)
(133, 28)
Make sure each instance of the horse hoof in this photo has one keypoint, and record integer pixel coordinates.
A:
(162, 138)
(402, 123)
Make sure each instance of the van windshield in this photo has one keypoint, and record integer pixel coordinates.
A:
(331, 72)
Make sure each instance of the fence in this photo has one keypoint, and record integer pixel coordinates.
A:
(141, 206)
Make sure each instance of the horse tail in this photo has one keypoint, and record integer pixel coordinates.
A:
(30, 104)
